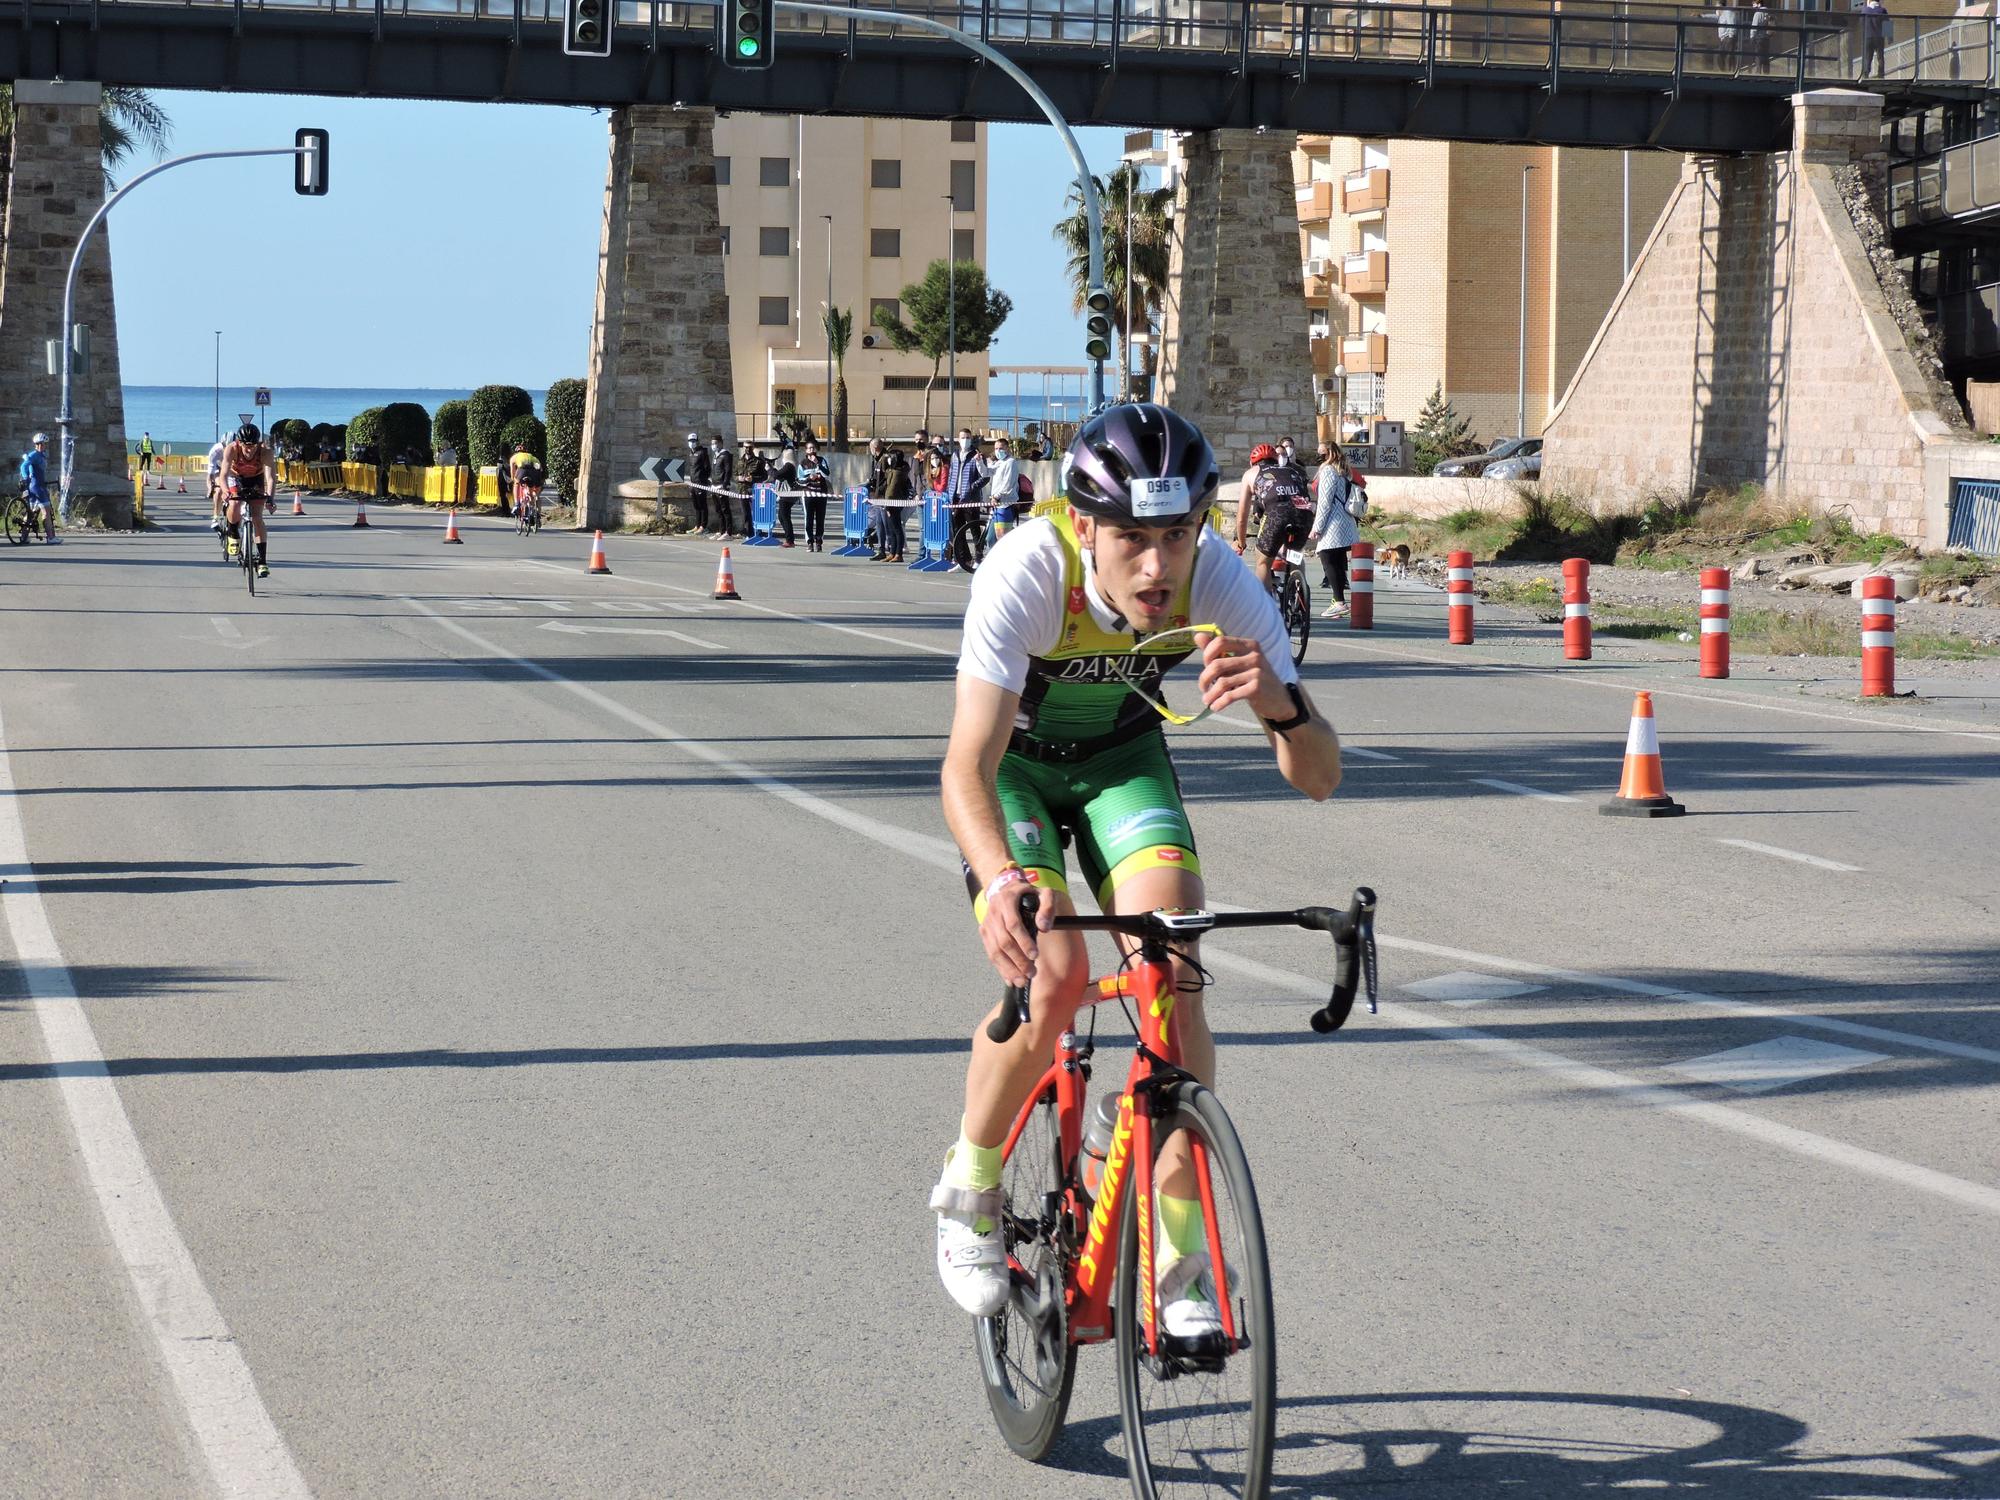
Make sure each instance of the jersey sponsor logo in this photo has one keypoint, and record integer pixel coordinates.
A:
(1076, 600)
(1028, 831)
(1146, 817)
(1171, 856)
(1144, 671)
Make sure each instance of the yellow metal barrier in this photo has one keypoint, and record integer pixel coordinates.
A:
(428, 483)
(138, 499)
(489, 489)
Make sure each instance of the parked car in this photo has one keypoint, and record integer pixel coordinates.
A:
(1520, 466)
(1474, 465)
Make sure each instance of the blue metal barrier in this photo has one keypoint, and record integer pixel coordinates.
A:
(763, 516)
(933, 537)
(854, 525)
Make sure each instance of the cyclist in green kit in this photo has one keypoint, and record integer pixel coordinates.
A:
(1057, 737)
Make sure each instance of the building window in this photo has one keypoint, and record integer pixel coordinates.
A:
(774, 312)
(965, 130)
(961, 244)
(918, 382)
(884, 172)
(774, 171)
(722, 171)
(774, 239)
(879, 305)
(963, 181)
(885, 244)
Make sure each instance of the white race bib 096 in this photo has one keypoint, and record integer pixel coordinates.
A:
(1153, 499)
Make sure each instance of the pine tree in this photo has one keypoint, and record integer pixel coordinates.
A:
(1441, 433)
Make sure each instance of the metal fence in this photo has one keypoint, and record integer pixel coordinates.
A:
(1975, 516)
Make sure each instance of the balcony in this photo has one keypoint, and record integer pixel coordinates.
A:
(1315, 202)
(1321, 276)
(1365, 192)
(1365, 353)
(1365, 274)
(1322, 354)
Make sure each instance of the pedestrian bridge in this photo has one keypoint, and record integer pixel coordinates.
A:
(1592, 72)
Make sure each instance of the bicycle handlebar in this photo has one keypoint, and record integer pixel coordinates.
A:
(1352, 930)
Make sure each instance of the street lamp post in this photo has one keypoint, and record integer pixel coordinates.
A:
(218, 385)
(1126, 358)
(951, 316)
(828, 326)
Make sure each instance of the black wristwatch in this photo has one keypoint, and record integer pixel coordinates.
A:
(1279, 726)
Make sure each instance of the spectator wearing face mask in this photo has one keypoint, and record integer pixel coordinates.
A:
(817, 481)
(968, 530)
(697, 476)
(1003, 487)
(722, 474)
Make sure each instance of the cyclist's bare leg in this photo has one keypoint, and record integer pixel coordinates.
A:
(1149, 890)
(1002, 1073)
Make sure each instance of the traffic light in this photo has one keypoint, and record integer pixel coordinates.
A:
(747, 28)
(309, 175)
(1097, 325)
(587, 28)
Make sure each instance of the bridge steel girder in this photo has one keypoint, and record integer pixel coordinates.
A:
(363, 54)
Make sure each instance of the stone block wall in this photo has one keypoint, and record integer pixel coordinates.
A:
(1235, 356)
(1753, 344)
(56, 184)
(659, 354)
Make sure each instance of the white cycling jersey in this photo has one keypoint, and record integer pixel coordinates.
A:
(215, 460)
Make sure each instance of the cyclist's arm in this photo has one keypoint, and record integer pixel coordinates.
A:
(1244, 492)
(982, 722)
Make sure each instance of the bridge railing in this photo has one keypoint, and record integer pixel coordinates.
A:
(1629, 36)
(1960, 182)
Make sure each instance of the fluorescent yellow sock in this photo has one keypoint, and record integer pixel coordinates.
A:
(1180, 1222)
(973, 1167)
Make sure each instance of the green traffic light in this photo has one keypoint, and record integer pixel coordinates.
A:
(746, 46)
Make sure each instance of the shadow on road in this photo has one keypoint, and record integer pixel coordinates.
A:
(1544, 1445)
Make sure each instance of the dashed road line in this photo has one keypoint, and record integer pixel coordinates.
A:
(1792, 854)
(1519, 790)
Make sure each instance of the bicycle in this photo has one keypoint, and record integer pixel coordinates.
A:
(1075, 1284)
(527, 509)
(243, 537)
(1294, 597)
(22, 519)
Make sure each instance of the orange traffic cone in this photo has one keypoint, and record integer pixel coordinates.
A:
(725, 579)
(360, 514)
(451, 536)
(597, 562)
(1642, 791)
(298, 503)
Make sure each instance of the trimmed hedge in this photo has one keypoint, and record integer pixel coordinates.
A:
(405, 427)
(448, 429)
(487, 414)
(363, 428)
(525, 432)
(565, 434)
(323, 434)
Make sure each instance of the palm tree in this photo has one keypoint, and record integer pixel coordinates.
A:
(127, 119)
(1120, 194)
(839, 326)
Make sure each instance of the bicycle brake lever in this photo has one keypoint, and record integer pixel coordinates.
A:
(1356, 962)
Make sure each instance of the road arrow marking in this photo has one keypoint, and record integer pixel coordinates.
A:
(230, 635)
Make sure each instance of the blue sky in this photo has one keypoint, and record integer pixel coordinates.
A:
(457, 247)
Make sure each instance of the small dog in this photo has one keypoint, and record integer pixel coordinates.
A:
(1392, 562)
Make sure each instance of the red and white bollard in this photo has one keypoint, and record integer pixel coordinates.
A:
(1576, 609)
(1878, 636)
(1458, 598)
(1361, 587)
(1715, 622)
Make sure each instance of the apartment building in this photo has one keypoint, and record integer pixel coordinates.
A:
(878, 200)
(1413, 265)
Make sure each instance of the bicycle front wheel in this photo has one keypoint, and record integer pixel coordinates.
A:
(1025, 1357)
(1200, 1416)
(16, 520)
(246, 544)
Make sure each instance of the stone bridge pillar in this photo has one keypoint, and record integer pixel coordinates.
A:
(56, 184)
(659, 348)
(1235, 354)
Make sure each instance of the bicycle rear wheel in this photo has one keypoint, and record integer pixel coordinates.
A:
(1200, 1418)
(1296, 601)
(1025, 1357)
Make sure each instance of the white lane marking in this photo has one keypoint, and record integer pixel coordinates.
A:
(1521, 791)
(783, 614)
(940, 854)
(1778, 1063)
(1361, 754)
(244, 1451)
(1695, 997)
(1973, 1195)
(1626, 684)
(694, 640)
(1805, 859)
(1468, 987)
(225, 627)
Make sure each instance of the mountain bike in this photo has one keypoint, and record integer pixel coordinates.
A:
(1198, 1412)
(1294, 595)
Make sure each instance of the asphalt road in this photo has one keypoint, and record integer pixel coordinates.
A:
(532, 1008)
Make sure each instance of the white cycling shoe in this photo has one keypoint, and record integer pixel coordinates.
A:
(971, 1263)
(1186, 1297)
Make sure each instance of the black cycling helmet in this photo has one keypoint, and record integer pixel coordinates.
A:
(247, 433)
(1125, 461)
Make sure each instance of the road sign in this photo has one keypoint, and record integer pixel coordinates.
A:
(309, 178)
(662, 470)
(263, 397)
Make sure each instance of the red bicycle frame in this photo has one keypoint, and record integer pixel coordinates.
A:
(1128, 1163)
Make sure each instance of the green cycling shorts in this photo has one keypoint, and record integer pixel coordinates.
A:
(1122, 808)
